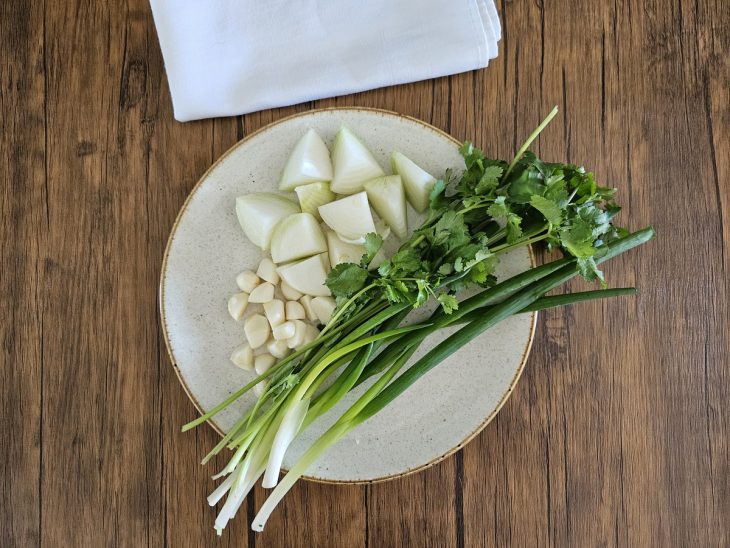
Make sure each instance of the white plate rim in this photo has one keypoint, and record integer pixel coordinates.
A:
(163, 321)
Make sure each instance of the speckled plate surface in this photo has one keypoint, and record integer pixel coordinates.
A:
(207, 248)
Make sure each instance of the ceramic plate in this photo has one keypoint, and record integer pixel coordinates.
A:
(207, 249)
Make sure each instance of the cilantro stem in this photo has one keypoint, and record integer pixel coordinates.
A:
(344, 307)
(506, 247)
(417, 241)
(530, 139)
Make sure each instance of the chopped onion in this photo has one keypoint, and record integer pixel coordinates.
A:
(259, 212)
(313, 195)
(416, 182)
(353, 163)
(389, 201)
(309, 162)
(308, 276)
(350, 217)
(342, 252)
(297, 236)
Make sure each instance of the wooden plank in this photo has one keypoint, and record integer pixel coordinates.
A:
(102, 470)
(23, 224)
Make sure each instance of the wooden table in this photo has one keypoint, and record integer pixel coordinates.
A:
(617, 433)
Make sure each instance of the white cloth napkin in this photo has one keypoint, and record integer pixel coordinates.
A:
(228, 57)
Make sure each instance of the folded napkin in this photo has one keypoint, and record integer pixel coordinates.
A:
(229, 57)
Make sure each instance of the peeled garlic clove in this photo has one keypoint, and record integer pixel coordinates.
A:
(262, 293)
(247, 281)
(262, 362)
(295, 311)
(300, 328)
(310, 333)
(237, 305)
(257, 330)
(278, 349)
(284, 331)
(323, 307)
(242, 356)
(267, 271)
(290, 294)
(306, 302)
(274, 311)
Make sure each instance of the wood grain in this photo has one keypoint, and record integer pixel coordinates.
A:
(617, 434)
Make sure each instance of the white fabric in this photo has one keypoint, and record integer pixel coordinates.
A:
(228, 57)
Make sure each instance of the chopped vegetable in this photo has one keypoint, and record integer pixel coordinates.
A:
(242, 356)
(417, 182)
(342, 252)
(278, 349)
(259, 212)
(284, 331)
(313, 195)
(257, 330)
(267, 271)
(307, 276)
(389, 201)
(247, 281)
(295, 310)
(274, 311)
(237, 305)
(306, 302)
(353, 164)
(263, 362)
(289, 292)
(309, 162)
(262, 293)
(349, 217)
(295, 237)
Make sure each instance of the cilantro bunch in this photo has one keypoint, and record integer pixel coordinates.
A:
(491, 208)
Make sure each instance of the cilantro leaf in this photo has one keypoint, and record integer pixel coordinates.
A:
(499, 209)
(549, 209)
(589, 270)
(346, 279)
(373, 243)
(450, 231)
(422, 295)
(514, 230)
(489, 180)
(436, 197)
(448, 302)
